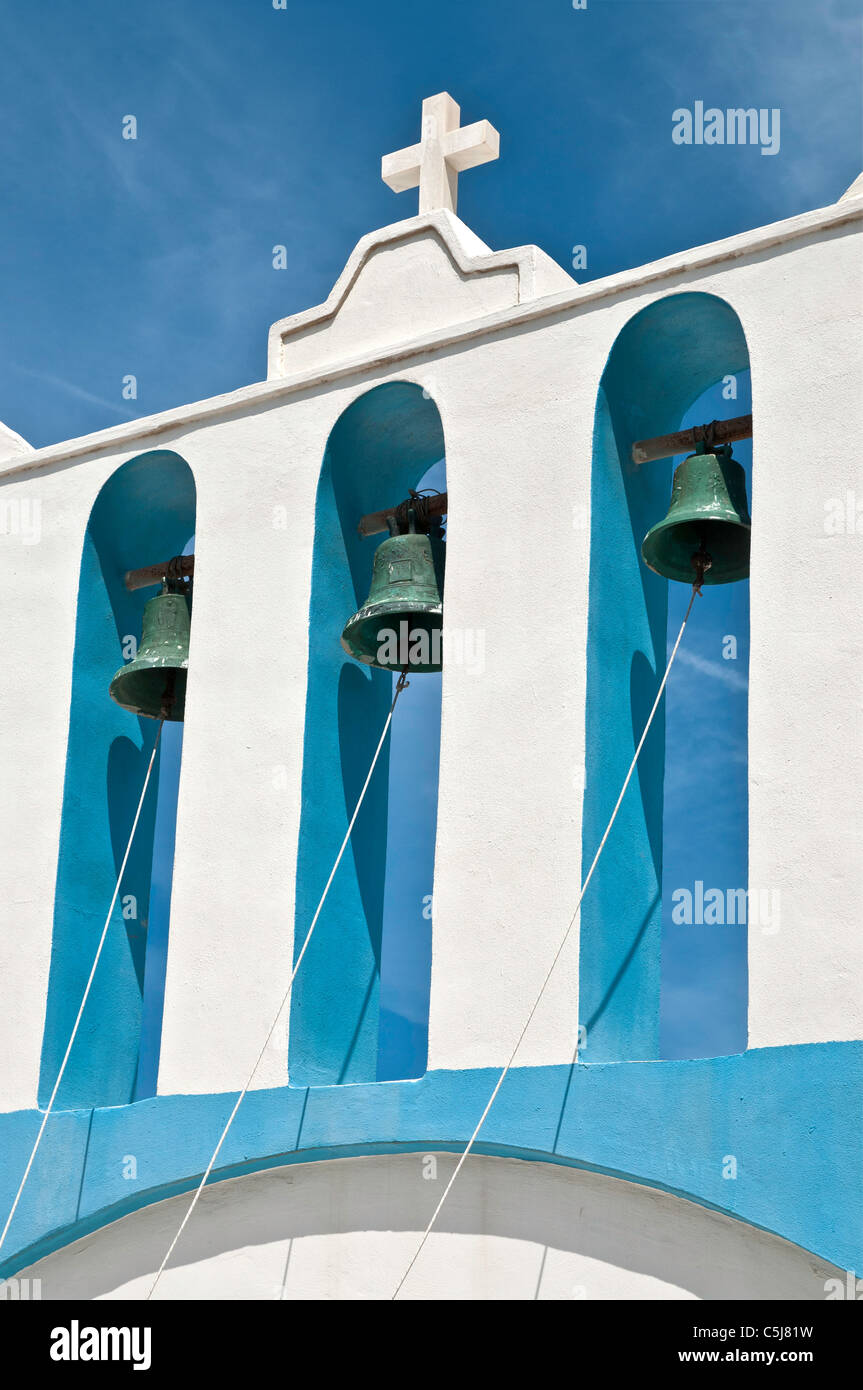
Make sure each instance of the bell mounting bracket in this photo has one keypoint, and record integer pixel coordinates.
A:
(429, 508)
(716, 432)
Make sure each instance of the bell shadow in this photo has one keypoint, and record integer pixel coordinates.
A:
(648, 780)
(361, 719)
(608, 997)
(127, 766)
(357, 912)
(361, 1018)
(650, 768)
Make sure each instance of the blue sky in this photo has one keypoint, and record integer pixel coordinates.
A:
(259, 126)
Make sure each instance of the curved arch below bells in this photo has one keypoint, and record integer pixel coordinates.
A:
(511, 1229)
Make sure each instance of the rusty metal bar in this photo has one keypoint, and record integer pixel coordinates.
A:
(154, 574)
(724, 432)
(374, 522)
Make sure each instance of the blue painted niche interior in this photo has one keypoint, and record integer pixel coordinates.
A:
(665, 357)
(705, 835)
(144, 512)
(411, 827)
(381, 446)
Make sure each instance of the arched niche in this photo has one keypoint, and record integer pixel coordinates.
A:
(145, 512)
(379, 448)
(664, 358)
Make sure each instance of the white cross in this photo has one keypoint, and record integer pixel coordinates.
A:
(445, 149)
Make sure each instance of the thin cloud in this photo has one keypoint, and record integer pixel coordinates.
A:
(48, 379)
(715, 670)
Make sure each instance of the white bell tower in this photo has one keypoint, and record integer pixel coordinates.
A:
(606, 1176)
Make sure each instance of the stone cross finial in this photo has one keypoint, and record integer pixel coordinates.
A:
(445, 149)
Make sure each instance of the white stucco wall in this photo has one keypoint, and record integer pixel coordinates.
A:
(516, 389)
(37, 622)
(431, 272)
(348, 1228)
(806, 652)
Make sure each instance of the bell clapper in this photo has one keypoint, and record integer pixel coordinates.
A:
(701, 563)
(168, 696)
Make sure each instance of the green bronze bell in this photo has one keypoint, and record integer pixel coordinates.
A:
(399, 626)
(708, 513)
(154, 684)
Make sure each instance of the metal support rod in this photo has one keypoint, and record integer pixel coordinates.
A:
(724, 432)
(374, 522)
(154, 574)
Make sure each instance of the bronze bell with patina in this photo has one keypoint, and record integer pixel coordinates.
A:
(154, 684)
(400, 624)
(704, 535)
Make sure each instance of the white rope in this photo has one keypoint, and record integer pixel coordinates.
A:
(557, 954)
(202, 1184)
(87, 989)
